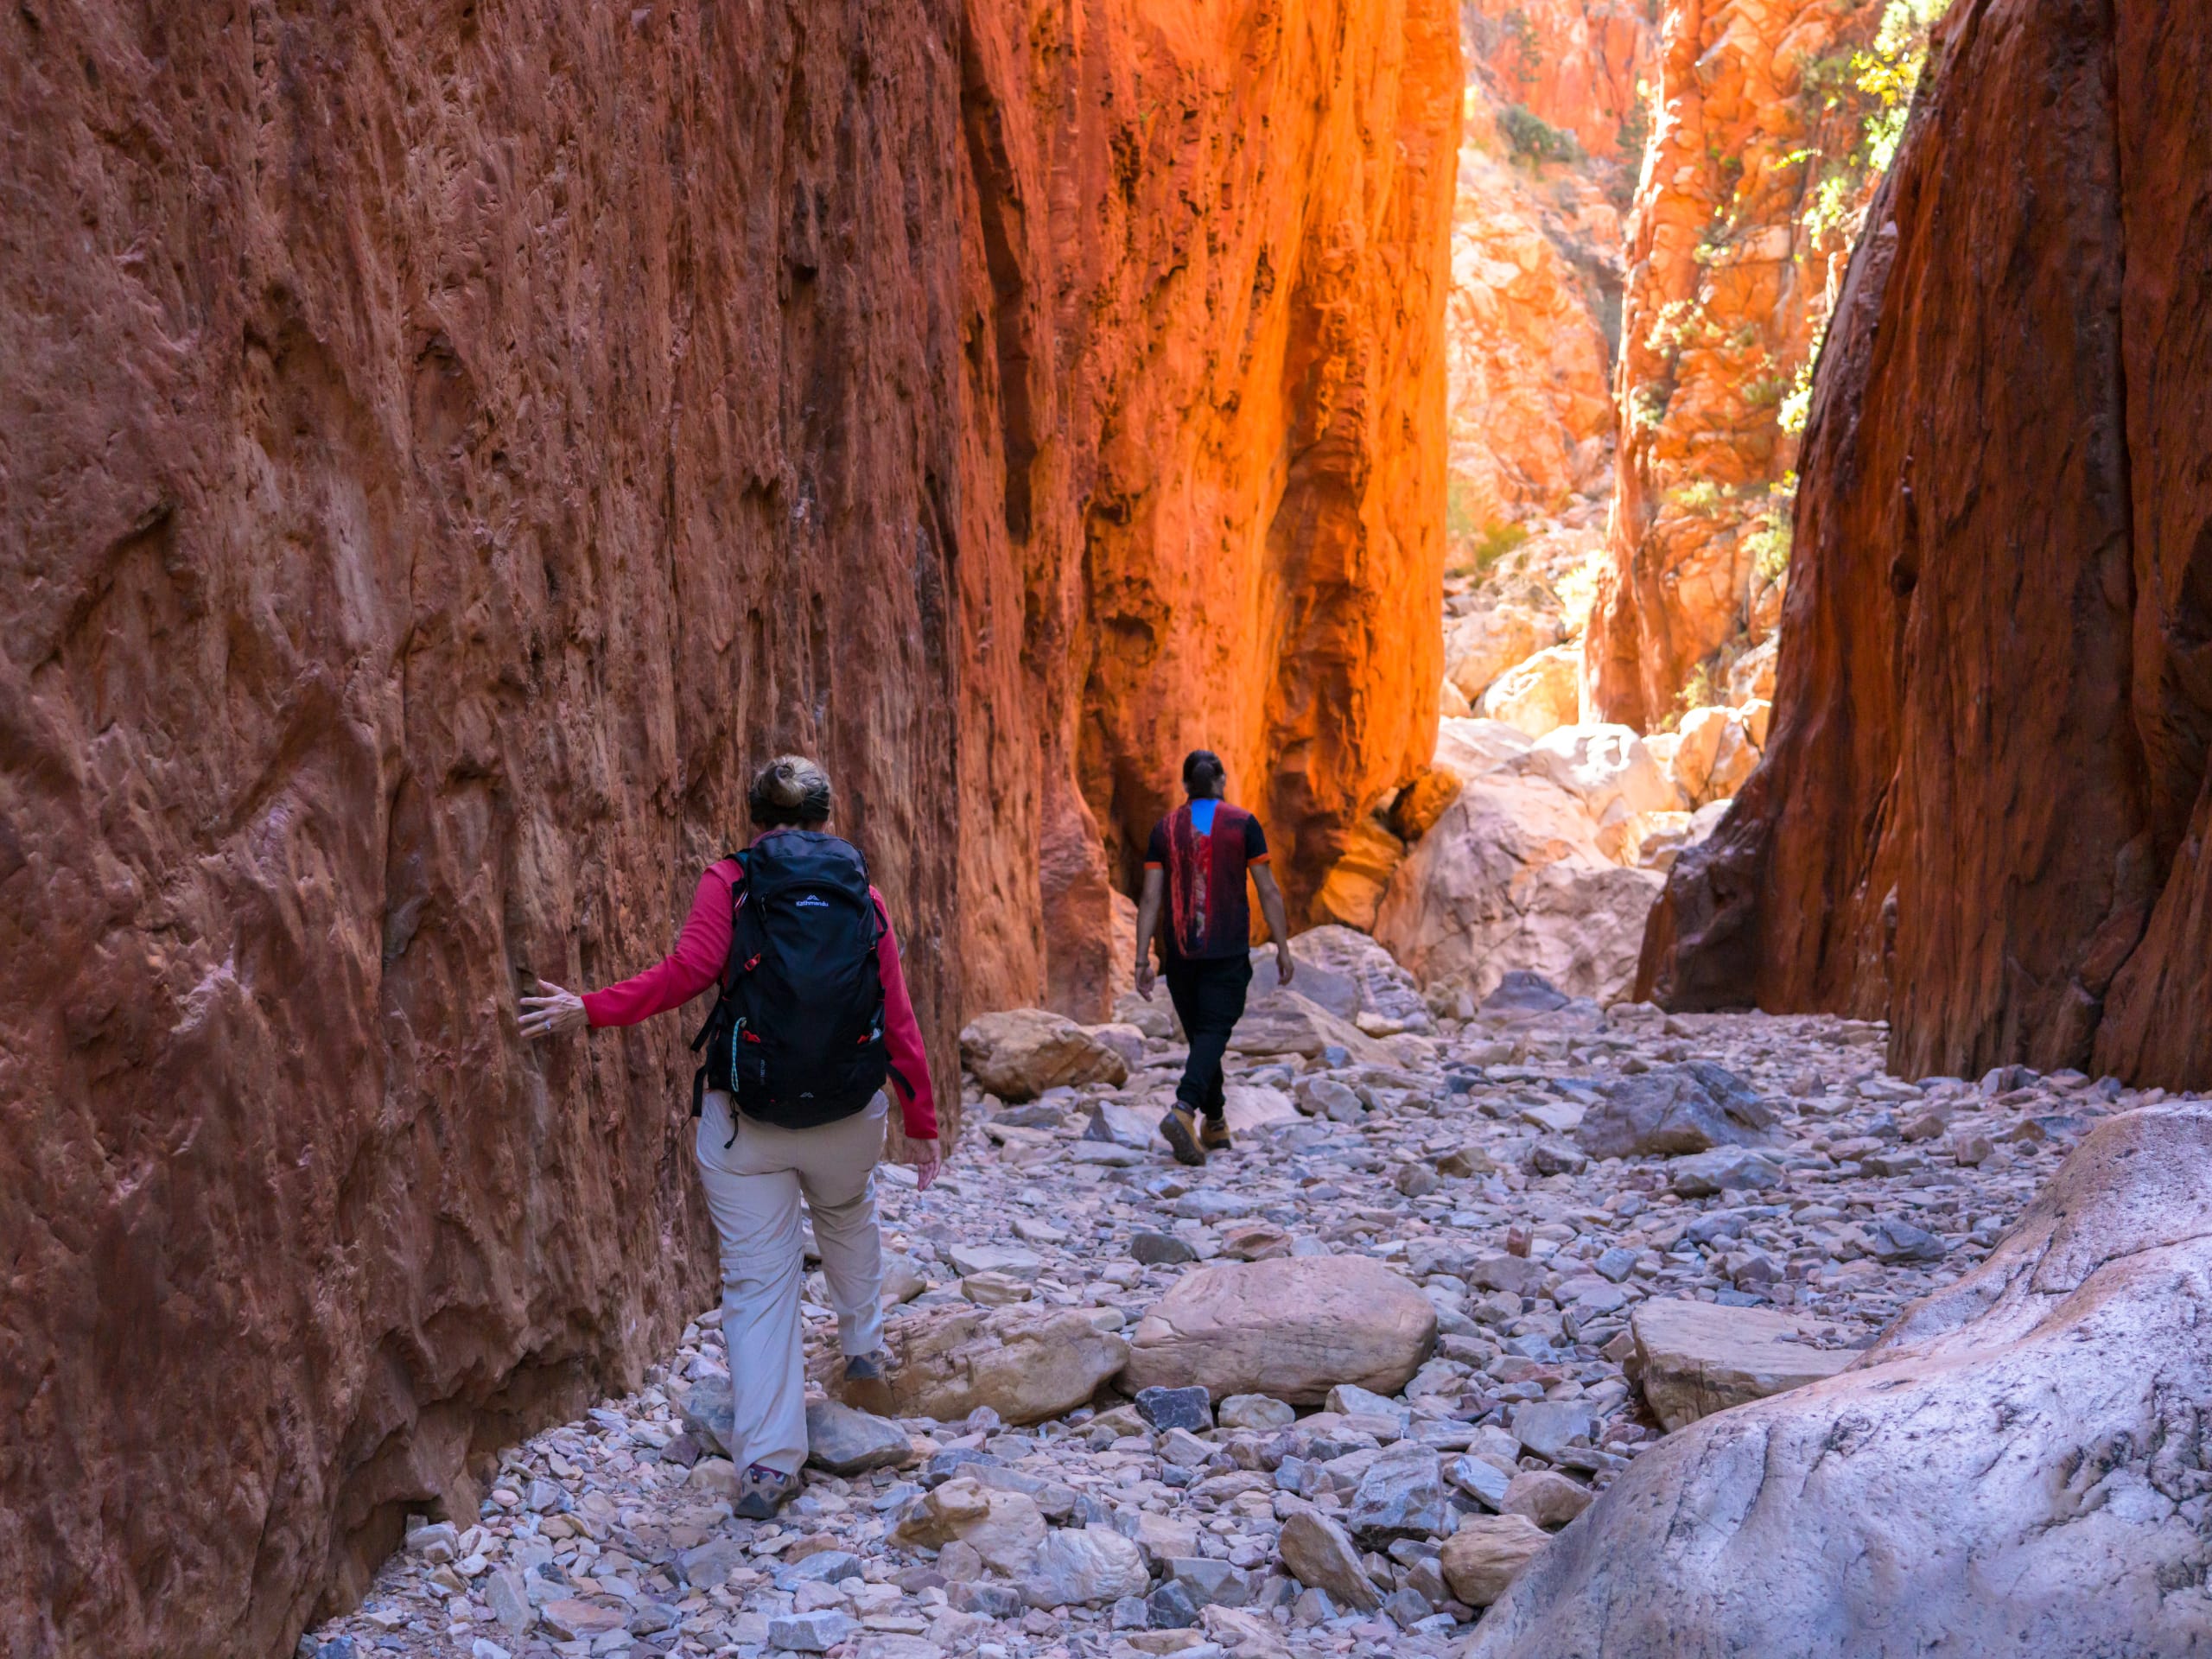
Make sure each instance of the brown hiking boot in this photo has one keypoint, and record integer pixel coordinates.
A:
(1180, 1129)
(868, 1386)
(762, 1491)
(1214, 1137)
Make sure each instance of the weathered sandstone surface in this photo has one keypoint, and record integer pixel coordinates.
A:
(1551, 95)
(444, 448)
(2021, 1465)
(1207, 362)
(1730, 279)
(1986, 800)
(1574, 64)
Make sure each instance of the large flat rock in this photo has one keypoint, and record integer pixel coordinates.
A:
(1026, 1363)
(1695, 1359)
(1291, 1328)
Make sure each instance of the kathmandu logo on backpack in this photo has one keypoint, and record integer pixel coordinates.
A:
(805, 992)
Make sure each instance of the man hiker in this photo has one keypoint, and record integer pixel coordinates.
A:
(1198, 859)
(813, 1024)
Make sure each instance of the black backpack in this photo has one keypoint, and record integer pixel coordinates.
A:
(797, 1034)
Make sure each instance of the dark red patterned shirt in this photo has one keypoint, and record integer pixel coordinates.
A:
(1205, 847)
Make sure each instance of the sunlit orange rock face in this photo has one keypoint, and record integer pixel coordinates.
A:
(446, 447)
(1728, 288)
(1984, 812)
(1209, 244)
(1576, 64)
(1532, 413)
(1536, 256)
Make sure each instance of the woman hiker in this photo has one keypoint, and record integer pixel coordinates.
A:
(814, 1023)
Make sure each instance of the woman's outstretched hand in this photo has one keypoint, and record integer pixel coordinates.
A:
(554, 1011)
(927, 1162)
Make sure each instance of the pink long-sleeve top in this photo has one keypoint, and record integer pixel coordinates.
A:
(703, 949)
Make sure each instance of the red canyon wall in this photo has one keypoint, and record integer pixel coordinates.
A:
(441, 449)
(1730, 277)
(1214, 239)
(1984, 812)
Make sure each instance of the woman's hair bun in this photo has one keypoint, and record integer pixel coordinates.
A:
(789, 789)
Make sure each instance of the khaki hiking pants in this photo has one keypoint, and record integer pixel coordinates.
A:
(752, 1192)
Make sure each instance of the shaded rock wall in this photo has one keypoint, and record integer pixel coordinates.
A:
(1728, 287)
(1215, 239)
(443, 446)
(443, 449)
(1984, 808)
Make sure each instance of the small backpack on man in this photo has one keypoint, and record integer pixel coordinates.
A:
(797, 1034)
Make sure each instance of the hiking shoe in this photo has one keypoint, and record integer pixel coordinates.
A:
(762, 1491)
(1214, 1137)
(1180, 1130)
(868, 1387)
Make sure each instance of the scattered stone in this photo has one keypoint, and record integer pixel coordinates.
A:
(1555, 1155)
(1164, 1408)
(1522, 992)
(1546, 1427)
(1673, 1110)
(567, 1620)
(1160, 1249)
(1483, 1558)
(1481, 1479)
(1550, 1500)
(1170, 1607)
(1003, 1528)
(848, 1442)
(815, 1632)
(1900, 1241)
(1537, 1283)
(1255, 1411)
(1694, 1359)
(1401, 1495)
(1291, 1329)
(1210, 1583)
(1011, 1260)
(1723, 1169)
(1255, 1241)
(1084, 1566)
(1319, 1554)
(1021, 1052)
(1024, 1364)
(993, 1290)
(1324, 1096)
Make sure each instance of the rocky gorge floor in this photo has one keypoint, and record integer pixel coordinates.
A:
(1448, 1284)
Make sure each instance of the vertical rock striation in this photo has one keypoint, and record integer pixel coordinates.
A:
(1209, 248)
(443, 446)
(1204, 257)
(1732, 266)
(441, 449)
(1984, 808)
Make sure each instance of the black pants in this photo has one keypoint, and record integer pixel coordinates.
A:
(1208, 998)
